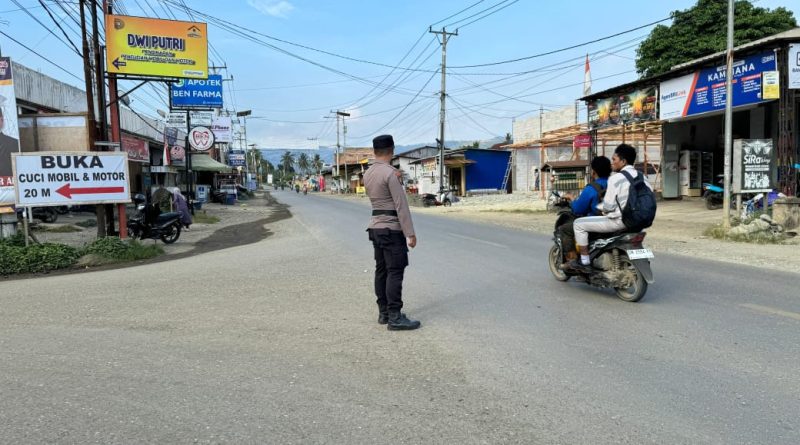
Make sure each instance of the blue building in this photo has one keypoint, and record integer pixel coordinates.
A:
(467, 170)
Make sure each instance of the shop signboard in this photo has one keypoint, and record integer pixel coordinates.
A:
(201, 138)
(64, 178)
(236, 159)
(222, 128)
(9, 131)
(754, 162)
(197, 93)
(582, 141)
(794, 66)
(142, 46)
(136, 148)
(201, 118)
(704, 90)
(177, 119)
(603, 113)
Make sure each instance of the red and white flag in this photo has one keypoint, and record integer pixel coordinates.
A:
(587, 78)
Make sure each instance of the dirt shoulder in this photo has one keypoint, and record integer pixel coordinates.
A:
(678, 229)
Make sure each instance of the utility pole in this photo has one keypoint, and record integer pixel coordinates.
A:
(342, 115)
(115, 136)
(445, 37)
(726, 197)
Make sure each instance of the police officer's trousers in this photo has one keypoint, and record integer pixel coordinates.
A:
(391, 259)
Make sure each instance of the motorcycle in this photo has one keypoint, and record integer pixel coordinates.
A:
(713, 194)
(619, 260)
(444, 198)
(150, 223)
(45, 214)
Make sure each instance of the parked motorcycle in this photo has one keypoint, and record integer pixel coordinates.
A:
(444, 198)
(45, 214)
(713, 193)
(619, 260)
(150, 223)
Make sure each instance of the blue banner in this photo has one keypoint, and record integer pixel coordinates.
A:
(704, 91)
(236, 159)
(197, 93)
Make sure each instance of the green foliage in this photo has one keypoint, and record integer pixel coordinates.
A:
(113, 248)
(303, 163)
(702, 30)
(15, 258)
(203, 218)
(287, 162)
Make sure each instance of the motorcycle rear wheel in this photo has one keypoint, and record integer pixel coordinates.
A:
(639, 288)
(172, 234)
(50, 216)
(554, 260)
(712, 205)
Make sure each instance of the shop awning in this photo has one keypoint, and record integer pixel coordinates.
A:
(204, 163)
(565, 164)
(457, 162)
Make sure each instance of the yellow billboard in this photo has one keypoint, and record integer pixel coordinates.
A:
(153, 47)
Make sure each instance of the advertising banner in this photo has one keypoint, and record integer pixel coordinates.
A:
(61, 178)
(638, 106)
(197, 93)
(704, 91)
(582, 141)
(771, 84)
(177, 119)
(236, 159)
(153, 47)
(603, 113)
(754, 162)
(794, 66)
(174, 148)
(9, 130)
(223, 129)
(136, 148)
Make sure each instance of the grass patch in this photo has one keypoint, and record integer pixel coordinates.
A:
(63, 228)
(87, 223)
(203, 218)
(720, 233)
(117, 250)
(15, 258)
(518, 211)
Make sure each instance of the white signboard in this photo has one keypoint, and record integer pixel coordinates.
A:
(222, 127)
(202, 118)
(201, 138)
(675, 94)
(177, 120)
(61, 178)
(794, 66)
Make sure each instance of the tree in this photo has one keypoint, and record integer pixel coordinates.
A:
(287, 160)
(317, 163)
(303, 163)
(702, 30)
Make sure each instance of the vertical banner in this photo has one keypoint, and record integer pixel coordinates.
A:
(753, 165)
(9, 131)
(174, 148)
(221, 126)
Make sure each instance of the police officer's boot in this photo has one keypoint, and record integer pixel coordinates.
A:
(383, 315)
(399, 322)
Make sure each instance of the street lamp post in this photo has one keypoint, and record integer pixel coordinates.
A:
(343, 115)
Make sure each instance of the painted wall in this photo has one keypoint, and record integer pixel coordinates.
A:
(489, 169)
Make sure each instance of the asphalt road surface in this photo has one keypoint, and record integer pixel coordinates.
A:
(277, 342)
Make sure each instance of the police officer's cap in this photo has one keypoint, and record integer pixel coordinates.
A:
(383, 142)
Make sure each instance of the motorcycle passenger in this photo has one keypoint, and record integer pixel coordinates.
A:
(616, 197)
(586, 204)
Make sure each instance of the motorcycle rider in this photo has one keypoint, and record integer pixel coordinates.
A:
(616, 197)
(586, 204)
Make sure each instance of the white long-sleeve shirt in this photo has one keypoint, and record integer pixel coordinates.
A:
(618, 189)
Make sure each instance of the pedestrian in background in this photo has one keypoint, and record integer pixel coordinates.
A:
(182, 207)
(391, 232)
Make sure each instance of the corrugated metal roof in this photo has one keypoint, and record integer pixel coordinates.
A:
(781, 36)
(40, 89)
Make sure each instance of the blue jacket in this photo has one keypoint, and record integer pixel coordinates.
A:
(586, 204)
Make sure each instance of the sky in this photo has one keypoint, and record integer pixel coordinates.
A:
(376, 60)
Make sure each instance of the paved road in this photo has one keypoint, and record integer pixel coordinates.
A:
(276, 342)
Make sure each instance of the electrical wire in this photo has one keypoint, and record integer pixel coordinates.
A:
(487, 15)
(68, 42)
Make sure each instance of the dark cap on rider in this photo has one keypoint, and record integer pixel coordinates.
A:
(383, 142)
(601, 166)
(626, 153)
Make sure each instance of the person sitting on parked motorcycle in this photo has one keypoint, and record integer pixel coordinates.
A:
(586, 204)
(614, 201)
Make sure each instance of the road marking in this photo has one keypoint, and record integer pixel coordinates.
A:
(772, 311)
(503, 246)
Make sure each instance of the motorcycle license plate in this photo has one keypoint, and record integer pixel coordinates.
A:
(640, 254)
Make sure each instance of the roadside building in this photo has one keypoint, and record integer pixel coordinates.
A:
(404, 163)
(467, 171)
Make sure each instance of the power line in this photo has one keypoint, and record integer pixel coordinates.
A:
(69, 45)
(566, 48)
(40, 56)
(450, 25)
(459, 12)
(487, 15)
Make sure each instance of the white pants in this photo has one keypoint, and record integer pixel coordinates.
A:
(595, 224)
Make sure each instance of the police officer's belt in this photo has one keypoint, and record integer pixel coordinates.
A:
(384, 212)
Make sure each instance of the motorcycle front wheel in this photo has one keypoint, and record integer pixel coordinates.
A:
(637, 290)
(554, 260)
(171, 234)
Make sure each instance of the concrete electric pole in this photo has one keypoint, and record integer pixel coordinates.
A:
(445, 37)
(726, 197)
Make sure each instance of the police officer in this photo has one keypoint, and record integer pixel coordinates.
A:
(391, 232)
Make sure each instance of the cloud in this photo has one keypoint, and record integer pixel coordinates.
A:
(279, 9)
